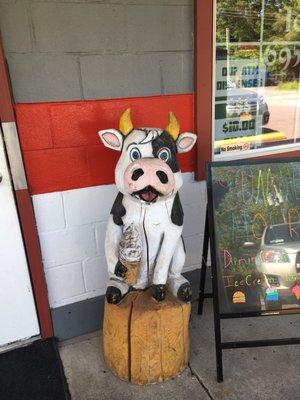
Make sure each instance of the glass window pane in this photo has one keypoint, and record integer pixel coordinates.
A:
(257, 68)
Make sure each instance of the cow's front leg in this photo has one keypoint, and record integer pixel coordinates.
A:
(116, 288)
(115, 291)
(177, 283)
(159, 292)
(163, 262)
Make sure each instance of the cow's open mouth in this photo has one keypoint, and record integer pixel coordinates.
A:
(148, 194)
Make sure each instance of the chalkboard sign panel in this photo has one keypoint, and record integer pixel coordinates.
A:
(256, 222)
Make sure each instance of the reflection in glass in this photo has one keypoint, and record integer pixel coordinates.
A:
(257, 93)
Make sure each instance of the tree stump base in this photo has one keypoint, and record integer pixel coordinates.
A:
(146, 341)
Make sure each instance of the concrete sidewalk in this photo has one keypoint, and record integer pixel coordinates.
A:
(262, 374)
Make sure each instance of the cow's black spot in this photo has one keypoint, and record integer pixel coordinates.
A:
(118, 210)
(185, 292)
(113, 295)
(177, 211)
(137, 174)
(163, 177)
(120, 270)
(165, 140)
(159, 292)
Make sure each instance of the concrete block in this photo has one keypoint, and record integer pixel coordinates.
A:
(188, 70)
(193, 246)
(159, 2)
(120, 75)
(41, 77)
(194, 219)
(193, 193)
(64, 283)
(95, 275)
(87, 205)
(144, 73)
(175, 74)
(105, 76)
(79, 27)
(49, 212)
(68, 245)
(78, 318)
(15, 27)
(188, 177)
(153, 28)
(100, 228)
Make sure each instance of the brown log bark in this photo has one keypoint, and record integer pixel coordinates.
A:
(146, 341)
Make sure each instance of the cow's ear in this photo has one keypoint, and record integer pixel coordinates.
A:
(111, 138)
(185, 142)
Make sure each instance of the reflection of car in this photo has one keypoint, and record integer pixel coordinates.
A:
(279, 255)
(245, 101)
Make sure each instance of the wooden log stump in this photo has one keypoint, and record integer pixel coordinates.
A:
(146, 341)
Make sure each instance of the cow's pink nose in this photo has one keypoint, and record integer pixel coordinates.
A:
(162, 176)
(149, 172)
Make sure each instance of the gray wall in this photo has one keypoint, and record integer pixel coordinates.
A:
(85, 49)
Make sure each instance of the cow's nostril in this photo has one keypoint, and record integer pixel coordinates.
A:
(137, 174)
(163, 177)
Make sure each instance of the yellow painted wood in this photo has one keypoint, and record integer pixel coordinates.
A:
(116, 335)
(157, 337)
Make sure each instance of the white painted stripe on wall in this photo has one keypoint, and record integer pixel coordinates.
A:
(72, 224)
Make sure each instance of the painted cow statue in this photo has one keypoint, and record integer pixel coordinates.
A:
(148, 178)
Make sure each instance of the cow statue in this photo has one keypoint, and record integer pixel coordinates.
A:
(148, 178)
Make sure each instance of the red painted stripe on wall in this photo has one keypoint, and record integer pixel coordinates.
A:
(62, 150)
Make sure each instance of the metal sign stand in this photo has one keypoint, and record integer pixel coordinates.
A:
(219, 345)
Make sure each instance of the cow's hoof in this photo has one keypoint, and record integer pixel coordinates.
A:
(185, 292)
(159, 292)
(113, 295)
(120, 270)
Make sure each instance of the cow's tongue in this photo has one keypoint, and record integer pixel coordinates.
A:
(148, 196)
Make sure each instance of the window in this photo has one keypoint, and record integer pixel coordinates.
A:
(257, 69)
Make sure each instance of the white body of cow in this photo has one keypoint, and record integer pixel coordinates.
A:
(148, 178)
(163, 253)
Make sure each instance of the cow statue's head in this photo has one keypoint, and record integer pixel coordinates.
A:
(148, 169)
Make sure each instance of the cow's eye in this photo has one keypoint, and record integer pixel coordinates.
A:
(135, 154)
(164, 154)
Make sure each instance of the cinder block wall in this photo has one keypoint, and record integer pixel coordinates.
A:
(86, 49)
(72, 230)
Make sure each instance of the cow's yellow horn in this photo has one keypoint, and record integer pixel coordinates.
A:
(173, 126)
(125, 124)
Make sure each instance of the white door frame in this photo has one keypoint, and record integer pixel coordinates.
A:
(23, 201)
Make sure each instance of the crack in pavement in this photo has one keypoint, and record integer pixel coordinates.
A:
(194, 373)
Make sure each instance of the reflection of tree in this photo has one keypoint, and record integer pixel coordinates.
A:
(287, 25)
(253, 198)
(281, 23)
(243, 18)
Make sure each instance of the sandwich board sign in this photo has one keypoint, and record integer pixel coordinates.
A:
(253, 223)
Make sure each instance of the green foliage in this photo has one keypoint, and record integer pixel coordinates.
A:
(294, 85)
(240, 54)
(243, 18)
